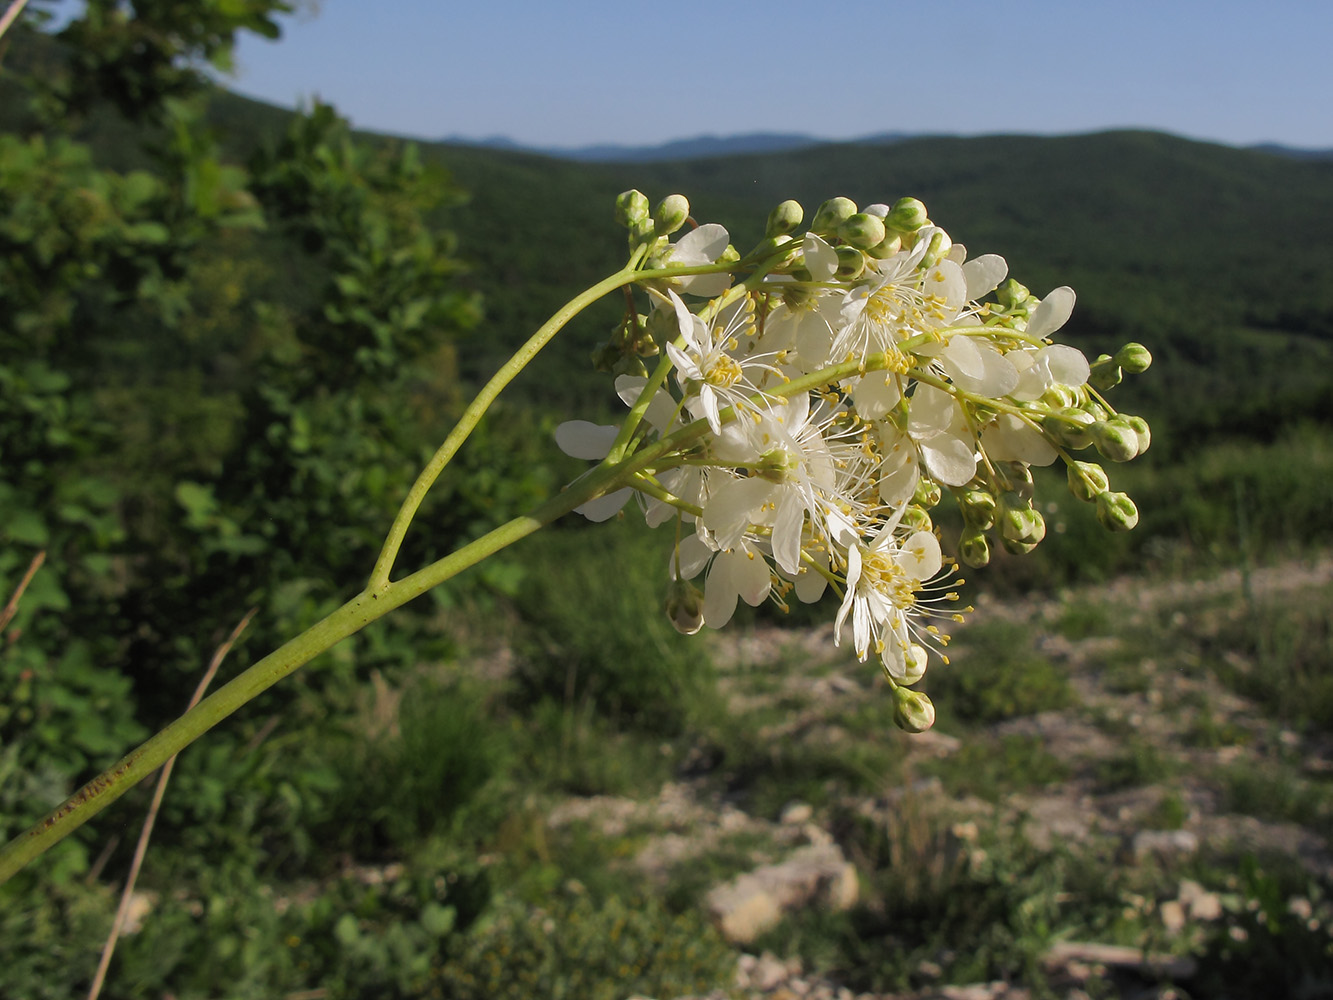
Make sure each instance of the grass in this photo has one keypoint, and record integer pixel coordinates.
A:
(995, 674)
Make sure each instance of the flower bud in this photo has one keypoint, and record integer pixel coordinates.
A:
(832, 214)
(914, 665)
(1018, 522)
(907, 215)
(685, 607)
(631, 208)
(1133, 358)
(771, 246)
(927, 493)
(887, 247)
(913, 711)
(1115, 439)
(1087, 480)
(916, 519)
(1057, 397)
(1116, 511)
(1142, 429)
(878, 210)
(862, 231)
(1105, 373)
(1019, 476)
(784, 219)
(671, 214)
(851, 262)
(1069, 427)
(1011, 294)
(978, 509)
(974, 549)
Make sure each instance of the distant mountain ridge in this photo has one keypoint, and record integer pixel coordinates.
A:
(698, 147)
(708, 146)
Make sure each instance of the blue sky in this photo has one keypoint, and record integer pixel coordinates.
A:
(550, 74)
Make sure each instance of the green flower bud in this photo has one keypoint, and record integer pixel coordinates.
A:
(916, 519)
(1017, 548)
(641, 231)
(1106, 374)
(1087, 480)
(1057, 397)
(1116, 511)
(729, 256)
(913, 711)
(978, 508)
(1069, 427)
(887, 247)
(974, 549)
(1116, 439)
(1133, 358)
(851, 262)
(1018, 522)
(685, 607)
(671, 214)
(771, 246)
(1019, 477)
(631, 208)
(927, 493)
(1011, 294)
(907, 215)
(832, 214)
(1142, 429)
(784, 219)
(862, 231)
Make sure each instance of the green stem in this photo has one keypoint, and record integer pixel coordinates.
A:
(467, 423)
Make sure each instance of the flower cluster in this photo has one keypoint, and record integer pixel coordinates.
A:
(813, 401)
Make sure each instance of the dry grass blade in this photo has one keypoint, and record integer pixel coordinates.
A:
(141, 848)
(12, 606)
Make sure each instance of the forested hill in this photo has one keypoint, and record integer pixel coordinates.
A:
(1220, 258)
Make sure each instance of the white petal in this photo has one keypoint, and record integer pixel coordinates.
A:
(876, 394)
(660, 411)
(584, 439)
(705, 286)
(734, 506)
(821, 260)
(961, 357)
(700, 246)
(984, 274)
(786, 535)
(920, 555)
(1067, 364)
(949, 460)
(605, 507)
(720, 594)
(694, 556)
(753, 578)
(1052, 313)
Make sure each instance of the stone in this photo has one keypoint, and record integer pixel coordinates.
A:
(817, 875)
(1163, 844)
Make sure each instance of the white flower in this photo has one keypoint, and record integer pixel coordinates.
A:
(883, 579)
(709, 375)
(703, 245)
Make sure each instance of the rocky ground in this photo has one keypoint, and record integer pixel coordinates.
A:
(1149, 728)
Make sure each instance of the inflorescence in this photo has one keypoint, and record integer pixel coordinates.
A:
(813, 401)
